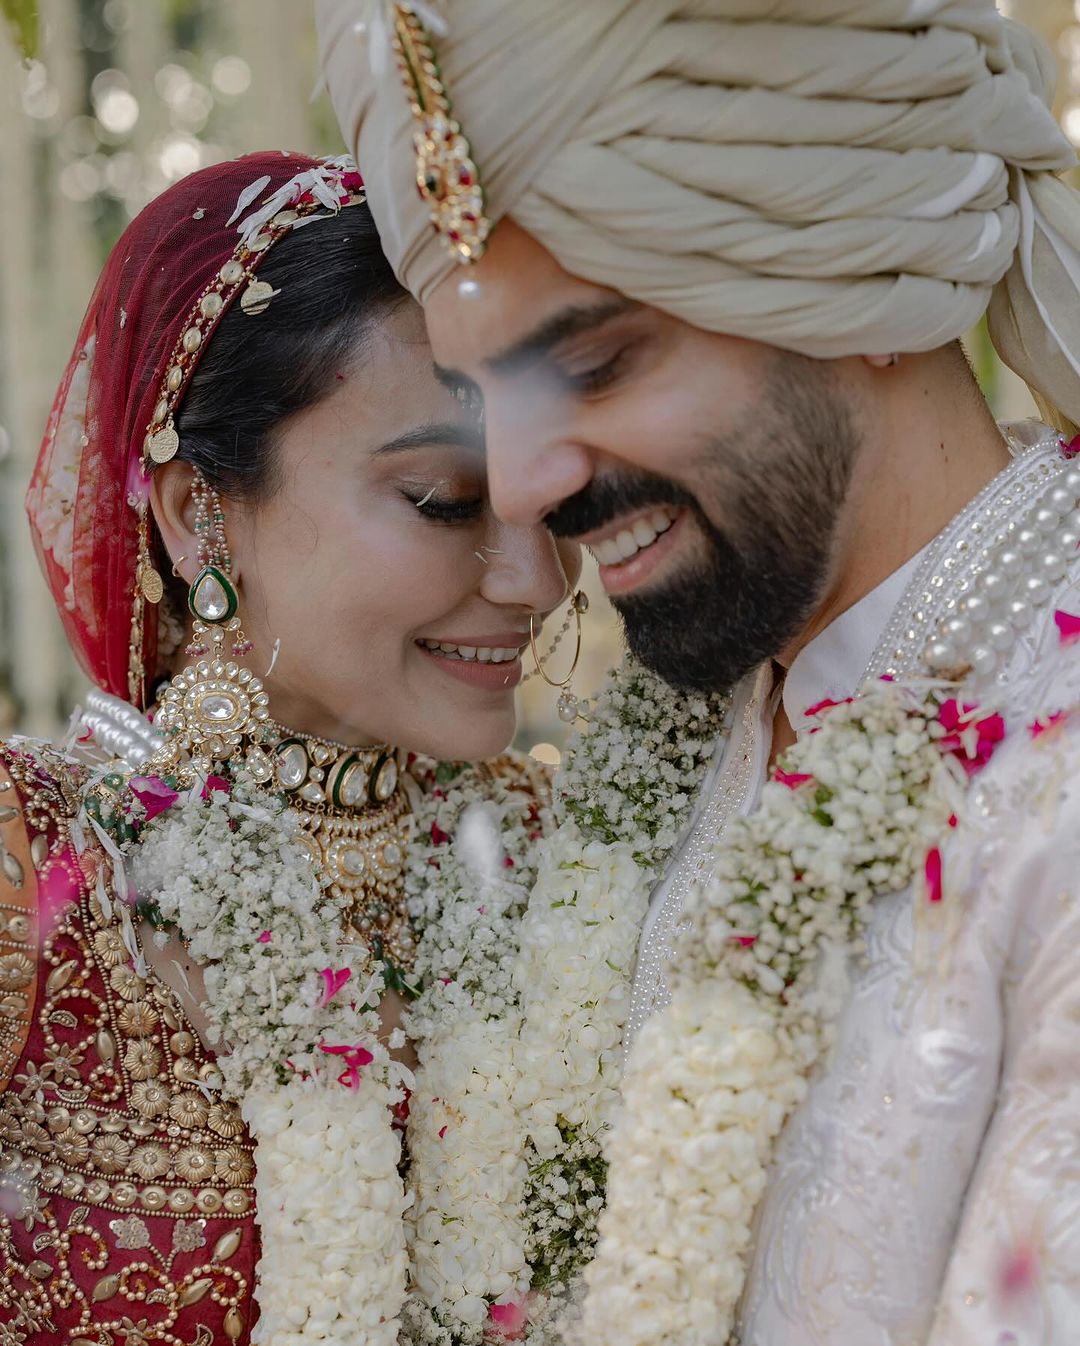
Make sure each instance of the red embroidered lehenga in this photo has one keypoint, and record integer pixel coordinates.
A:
(128, 1209)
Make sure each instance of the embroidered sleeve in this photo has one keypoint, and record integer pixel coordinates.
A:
(1014, 1275)
(18, 934)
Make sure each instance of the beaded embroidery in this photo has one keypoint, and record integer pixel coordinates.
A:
(127, 1209)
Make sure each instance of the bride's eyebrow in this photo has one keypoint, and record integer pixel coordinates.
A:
(441, 433)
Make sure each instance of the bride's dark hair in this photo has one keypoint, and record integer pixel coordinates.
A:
(261, 369)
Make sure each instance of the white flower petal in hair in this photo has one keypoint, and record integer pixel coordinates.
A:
(249, 194)
(323, 181)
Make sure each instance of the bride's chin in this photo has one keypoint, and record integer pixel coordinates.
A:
(472, 738)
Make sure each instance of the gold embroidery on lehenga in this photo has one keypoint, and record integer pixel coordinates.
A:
(117, 1111)
(18, 901)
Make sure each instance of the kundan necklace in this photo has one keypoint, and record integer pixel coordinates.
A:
(356, 821)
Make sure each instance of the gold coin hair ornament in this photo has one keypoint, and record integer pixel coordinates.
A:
(446, 176)
(330, 187)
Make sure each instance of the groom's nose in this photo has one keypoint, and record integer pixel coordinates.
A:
(533, 464)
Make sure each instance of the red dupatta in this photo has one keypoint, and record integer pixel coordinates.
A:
(132, 363)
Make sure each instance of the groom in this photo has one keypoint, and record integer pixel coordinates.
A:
(710, 302)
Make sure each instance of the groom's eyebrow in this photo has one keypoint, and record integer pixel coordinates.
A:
(564, 325)
(527, 351)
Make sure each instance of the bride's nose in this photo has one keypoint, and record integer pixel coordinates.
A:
(522, 567)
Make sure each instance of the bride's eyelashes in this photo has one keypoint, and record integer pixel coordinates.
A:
(441, 507)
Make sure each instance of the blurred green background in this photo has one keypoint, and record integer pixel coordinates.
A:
(122, 98)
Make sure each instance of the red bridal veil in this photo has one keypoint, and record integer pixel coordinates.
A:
(90, 480)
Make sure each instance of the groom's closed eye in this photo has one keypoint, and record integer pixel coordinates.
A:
(535, 349)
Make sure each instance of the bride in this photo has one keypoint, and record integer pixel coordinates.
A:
(265, 528)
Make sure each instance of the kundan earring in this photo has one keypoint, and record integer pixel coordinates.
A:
(567, 704)
(214, 710)
(212, 599)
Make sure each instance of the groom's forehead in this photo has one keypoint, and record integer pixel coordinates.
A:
(517, 302)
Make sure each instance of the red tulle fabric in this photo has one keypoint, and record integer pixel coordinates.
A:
(89, 472)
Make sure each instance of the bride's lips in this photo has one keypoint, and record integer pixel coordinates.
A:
(658, 532)
(492, 662)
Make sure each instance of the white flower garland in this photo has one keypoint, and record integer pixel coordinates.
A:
(520, 1027)
(315, 1085)
(854, 811)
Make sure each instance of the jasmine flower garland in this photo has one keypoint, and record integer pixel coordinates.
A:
(519, 1027)
(298, 1013)
(856, 809)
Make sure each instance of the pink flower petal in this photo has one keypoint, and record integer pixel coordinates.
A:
(949, 715)
(438, 836)
(265, 937)
(1072, 448)
(216, 784)
(355, 1059)
(332, 983)
(932, 874)
(442, 1131)
(827, 703)
(153, 794)
(508, 1320)
(1068, 627)
(1046, 723)
(792, 779)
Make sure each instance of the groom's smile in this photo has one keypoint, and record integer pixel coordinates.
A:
(631, 550)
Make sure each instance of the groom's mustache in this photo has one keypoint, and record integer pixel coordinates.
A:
(611, 497)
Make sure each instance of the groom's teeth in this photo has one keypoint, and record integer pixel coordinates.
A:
(628, 542)
(483, 654)
(644, 532)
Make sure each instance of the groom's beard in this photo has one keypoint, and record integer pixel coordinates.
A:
(780, 485)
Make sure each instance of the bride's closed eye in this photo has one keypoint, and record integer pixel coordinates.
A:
(442, 507)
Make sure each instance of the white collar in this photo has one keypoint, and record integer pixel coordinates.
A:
(834, 663)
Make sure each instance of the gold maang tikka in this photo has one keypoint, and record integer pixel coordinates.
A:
(446, 176)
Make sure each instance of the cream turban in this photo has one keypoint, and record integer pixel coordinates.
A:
(836, 177)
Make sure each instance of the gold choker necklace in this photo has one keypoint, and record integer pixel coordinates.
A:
(355, 819)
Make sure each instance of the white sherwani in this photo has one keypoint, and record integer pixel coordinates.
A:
(927, 1191)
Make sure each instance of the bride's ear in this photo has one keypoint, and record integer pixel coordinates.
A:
(173, 507)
